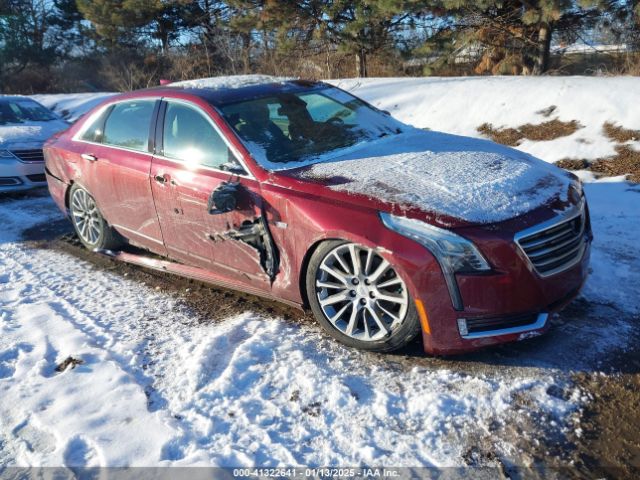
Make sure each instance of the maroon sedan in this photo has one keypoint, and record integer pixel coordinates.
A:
(300, 192)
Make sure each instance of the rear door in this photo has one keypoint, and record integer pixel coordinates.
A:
(117, 164)
(193, 160)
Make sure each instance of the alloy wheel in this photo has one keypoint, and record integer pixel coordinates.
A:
(360, 293)
(86, 216)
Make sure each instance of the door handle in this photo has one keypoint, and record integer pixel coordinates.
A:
(89, 157)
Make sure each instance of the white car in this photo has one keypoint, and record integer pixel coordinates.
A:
(24, 127)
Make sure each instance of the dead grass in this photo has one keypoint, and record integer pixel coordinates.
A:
(572, 164)
(625, 162)
(69, 362)
(542, 132)
(505, 136)
(620, 134)
(550, 130)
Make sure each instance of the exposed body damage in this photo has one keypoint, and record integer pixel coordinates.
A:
(257, 235)
(255, 232)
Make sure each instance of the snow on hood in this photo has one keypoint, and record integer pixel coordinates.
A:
(472, 180)
(231, 81)
(32, 134)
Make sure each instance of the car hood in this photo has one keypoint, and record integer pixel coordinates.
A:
(29, 135)
(462, 178)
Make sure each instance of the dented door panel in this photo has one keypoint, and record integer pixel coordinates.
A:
(195, 236)
(241, 249)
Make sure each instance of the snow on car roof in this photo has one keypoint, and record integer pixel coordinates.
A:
(230, 81)
(237, 88)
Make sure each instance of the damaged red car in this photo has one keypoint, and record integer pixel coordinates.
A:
(300, 192)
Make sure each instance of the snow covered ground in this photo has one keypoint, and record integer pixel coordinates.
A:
(162, 385)
(246, 391)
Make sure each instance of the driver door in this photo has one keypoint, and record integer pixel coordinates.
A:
(192, 162)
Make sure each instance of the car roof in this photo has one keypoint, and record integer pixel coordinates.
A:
(222, 95)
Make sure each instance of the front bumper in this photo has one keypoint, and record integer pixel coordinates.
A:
(16, 175)
(501, 298)
(515, 300)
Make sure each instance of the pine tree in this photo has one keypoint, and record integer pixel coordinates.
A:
(129, 23)
(364, 27)
(514, 36)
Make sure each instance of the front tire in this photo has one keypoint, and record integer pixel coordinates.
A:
(92, 229)
(358, 297)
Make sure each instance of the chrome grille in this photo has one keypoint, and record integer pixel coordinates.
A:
(34, 155)
(557, 245)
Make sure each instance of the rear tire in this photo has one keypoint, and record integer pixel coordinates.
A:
(359, 298)
(92, 229)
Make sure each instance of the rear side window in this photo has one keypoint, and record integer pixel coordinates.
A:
(190, 137)
(93, 132)
(128, 125)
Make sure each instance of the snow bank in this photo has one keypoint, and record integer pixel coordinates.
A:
(461, 104)
(71, 106)
(615, 219)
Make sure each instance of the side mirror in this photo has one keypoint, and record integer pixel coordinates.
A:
(224, 199)
(233, 167)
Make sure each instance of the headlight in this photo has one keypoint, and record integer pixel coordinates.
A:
(6, 154)
(454, 253)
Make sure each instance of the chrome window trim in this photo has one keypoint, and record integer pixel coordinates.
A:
(100, 111)
(540, 322)
(567, 216)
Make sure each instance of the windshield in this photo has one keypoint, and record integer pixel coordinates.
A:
(16, 111)
(288, 130)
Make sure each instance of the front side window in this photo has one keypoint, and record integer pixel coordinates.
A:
(128, 125)
(291, 129)
(189, 136)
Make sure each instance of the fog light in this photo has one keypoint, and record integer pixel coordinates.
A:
(462, 327)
